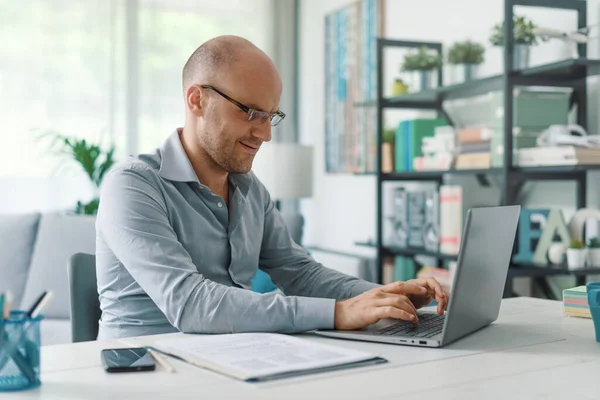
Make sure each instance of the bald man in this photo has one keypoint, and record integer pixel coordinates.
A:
(182, 231)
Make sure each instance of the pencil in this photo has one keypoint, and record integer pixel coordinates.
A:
(162, 361)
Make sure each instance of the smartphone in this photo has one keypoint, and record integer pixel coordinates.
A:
(127, 360)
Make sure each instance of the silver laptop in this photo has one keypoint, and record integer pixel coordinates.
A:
(477, 288)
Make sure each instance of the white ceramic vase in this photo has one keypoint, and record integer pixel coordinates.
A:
(594, 257)
(576, 258)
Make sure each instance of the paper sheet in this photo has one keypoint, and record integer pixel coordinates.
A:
(252, 355)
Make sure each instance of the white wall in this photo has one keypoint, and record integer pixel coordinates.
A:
(342, 209)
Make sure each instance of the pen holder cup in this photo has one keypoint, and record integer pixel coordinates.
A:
(19, 352)
(593, 294)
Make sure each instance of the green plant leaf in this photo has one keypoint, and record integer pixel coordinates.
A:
(523, 32)
(467, 52)
(422, 60)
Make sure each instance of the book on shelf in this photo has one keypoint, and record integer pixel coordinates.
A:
(575, 302)
(437, 162)
(474, 135)
(451, 220)
(474, 161)
(409, 138)
(474, 147)
(557, 155)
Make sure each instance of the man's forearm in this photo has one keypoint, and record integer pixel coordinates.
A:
(215, 308)
(304, 277)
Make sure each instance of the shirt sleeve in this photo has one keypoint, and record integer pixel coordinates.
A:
(293, 270)
(133, 220)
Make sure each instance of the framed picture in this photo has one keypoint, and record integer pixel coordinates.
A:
(351, 87)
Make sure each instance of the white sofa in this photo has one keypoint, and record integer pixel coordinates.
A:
(34, 250)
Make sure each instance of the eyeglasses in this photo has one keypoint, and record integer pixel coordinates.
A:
(254, 115)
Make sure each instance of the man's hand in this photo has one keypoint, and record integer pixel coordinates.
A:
(434, 291)
(389, 301)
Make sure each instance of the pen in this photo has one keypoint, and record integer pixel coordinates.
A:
(162, 360)
(2, 306)
(35, 304)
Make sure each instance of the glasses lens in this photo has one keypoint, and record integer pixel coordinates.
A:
(258, 116)
(275, 119)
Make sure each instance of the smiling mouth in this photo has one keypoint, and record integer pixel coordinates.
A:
(251, 149)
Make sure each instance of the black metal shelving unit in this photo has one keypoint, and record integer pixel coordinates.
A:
(568, 73)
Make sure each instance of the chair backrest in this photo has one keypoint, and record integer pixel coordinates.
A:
(85, 305)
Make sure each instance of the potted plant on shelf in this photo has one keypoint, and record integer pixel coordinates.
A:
(593, 245)
(465, 57)
(524, 37)
(421, 66)
(576, 255)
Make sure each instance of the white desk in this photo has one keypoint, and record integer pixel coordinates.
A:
(567, 365)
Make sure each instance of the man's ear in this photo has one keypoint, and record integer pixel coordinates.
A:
(194, 100)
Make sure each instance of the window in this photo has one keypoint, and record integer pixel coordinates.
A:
(67, 66)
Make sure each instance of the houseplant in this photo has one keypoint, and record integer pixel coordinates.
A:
(576, 254)
(421, 66)
(524, 37)
(593, 246)
(90, 157)
(465, 57)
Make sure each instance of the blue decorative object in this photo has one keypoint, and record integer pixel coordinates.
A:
(262, 282)
(593, 294)
(531, 227)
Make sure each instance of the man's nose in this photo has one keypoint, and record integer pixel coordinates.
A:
(262, 132)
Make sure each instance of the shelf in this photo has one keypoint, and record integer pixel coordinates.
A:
(556, 169)
(435, 175)
(410, 252)
(559, 73)
(542, 271)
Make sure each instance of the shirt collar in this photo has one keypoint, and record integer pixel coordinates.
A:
(174, 162)
(175, 165)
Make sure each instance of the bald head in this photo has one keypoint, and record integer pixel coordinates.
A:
(216, 56)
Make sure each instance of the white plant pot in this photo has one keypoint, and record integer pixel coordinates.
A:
(576, 258)
(594, 257)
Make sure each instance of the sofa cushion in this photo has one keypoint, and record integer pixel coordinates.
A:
(17, 237)
(55, 331)
(59, 236)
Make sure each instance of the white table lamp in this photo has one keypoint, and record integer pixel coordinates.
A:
(286, 170)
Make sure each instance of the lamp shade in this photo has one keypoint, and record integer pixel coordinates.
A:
(285, 169)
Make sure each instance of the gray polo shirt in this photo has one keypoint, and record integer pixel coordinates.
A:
(172, 256)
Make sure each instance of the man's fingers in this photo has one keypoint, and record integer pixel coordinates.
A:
(393, 312)
(404, 288)
(399, 302)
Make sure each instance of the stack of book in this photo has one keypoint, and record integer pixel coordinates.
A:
(474, 149)
(558, 155)
(575, 302)
(438, 151)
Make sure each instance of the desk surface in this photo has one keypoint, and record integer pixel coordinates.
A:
(539, 354)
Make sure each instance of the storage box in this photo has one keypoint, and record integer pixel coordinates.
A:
(532, 108)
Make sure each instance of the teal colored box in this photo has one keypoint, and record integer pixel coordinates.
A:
(531, 108)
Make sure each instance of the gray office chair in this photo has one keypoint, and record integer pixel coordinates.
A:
(85, 306)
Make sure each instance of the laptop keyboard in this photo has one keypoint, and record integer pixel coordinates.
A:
(429, 325)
